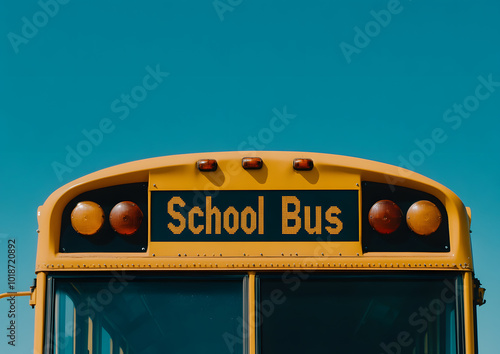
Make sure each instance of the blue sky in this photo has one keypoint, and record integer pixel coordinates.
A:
(371, 79)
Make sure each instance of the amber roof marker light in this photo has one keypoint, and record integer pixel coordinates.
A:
(385, 216)
(251, 163)
(423, 217)
(125, 218)
(87, 218)
(302, 164)
(206, 165)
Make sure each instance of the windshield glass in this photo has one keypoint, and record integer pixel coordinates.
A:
(128, 314)
(311, 313)
(296, 312)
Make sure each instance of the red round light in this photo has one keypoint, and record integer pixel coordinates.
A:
(125, 218)
(385, 216)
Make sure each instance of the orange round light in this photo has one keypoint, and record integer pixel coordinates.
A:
(87, 218)
(125, 218)
(423, 217)
(385, 216)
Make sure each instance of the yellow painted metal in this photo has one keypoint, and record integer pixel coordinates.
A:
(469, 214)
(33, 298)
(468, 312)
(252, 322)
(15, 294)
(40, 312)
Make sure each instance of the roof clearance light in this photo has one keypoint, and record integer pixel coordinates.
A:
(423, 217)
(206, 165)
(385, 216)
(87, 218)
(303, 164)
(251, 163)
(125, 218)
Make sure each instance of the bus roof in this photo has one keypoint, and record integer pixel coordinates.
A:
(180, 173)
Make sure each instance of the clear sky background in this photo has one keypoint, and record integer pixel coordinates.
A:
(373, 79)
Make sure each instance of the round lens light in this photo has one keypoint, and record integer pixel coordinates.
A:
(87, 218)
(385, 216)
(423, 217)
(125, 218)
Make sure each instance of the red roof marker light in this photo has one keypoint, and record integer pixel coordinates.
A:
(303, 164)
(205, 165)
(251, 163)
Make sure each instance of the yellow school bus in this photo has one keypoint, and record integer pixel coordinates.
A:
(262, 252)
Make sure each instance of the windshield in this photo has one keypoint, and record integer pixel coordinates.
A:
(296, 312)
(131, 314)
(300, 313)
